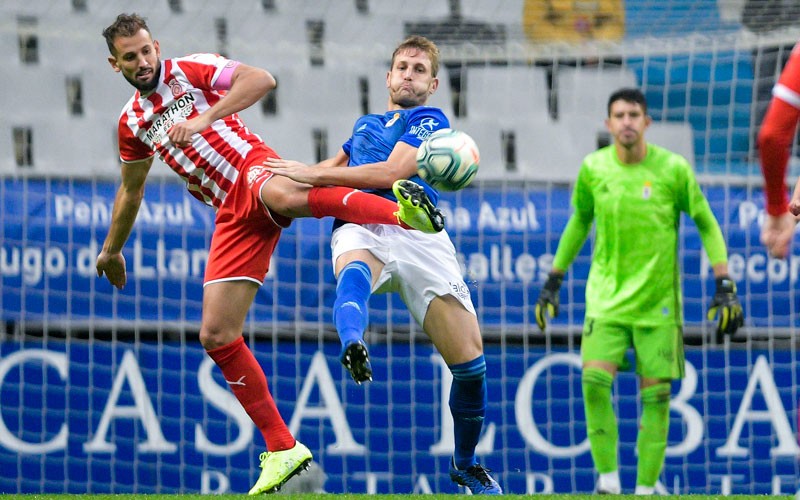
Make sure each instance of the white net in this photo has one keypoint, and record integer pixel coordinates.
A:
(105, 391)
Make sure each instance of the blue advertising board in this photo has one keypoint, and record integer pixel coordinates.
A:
(116, 417)
(52, 231)
(106, 417)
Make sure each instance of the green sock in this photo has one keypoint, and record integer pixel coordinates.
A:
(601, 423)
(653, 429)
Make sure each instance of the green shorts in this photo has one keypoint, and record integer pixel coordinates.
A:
(658, 349)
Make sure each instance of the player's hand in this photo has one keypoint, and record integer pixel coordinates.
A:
(777, 233)
(113, 266)
(726, 307)
(181, 133)
(548, 300)
(294, 170)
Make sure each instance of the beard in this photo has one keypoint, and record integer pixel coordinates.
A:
(146, 86)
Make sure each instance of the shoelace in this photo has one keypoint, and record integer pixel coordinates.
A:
(263, 458)
(481, 474)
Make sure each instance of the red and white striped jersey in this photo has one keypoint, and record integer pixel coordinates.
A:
(187, 87)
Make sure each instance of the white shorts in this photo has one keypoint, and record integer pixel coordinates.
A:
(418, 266)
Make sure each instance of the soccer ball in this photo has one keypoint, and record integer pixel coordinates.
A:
(448, 160)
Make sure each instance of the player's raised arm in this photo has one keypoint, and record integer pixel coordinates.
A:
(247, 84)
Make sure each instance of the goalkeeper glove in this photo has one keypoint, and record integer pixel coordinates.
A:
(726, 307)
(548, 300)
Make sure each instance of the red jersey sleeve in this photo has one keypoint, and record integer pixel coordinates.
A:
(207, 71)
(776, 135)
(130, 147)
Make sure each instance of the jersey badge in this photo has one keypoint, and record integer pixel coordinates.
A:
(429, 123)
(175, 87)
(392, 121)
(647, 191)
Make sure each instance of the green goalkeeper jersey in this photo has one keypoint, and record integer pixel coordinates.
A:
(634, 276)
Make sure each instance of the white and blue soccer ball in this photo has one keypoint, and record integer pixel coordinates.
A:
(448, 159)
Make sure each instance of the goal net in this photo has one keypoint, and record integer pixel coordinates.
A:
(108, 391)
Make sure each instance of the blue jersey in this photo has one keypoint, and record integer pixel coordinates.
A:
(374, 138)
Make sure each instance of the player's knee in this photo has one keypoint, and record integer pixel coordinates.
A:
(212, 337)
(285, 197)
(596, 385)
(657, 394)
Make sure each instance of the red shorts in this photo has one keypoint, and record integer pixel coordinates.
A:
(246, 232)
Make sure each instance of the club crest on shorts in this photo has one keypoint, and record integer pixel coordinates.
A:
(647, 191)
(460, 289)
(253, 173)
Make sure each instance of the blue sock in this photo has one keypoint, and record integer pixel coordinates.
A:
(350, 314)
(468, 406)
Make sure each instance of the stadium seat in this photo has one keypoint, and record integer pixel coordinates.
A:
(315, 93)
(9, 41)
(42, 89)
(104, 93)
(499, 11)
(7, 158)
(105, 11)
(411, 10)
(544, 151)
(584, 91)
(268, 39)
(550, 153)
(72, 41)
(291, 136)
(375, 38)
(11, 9)
(215, 8)
(493, 91)
(183, 34)
(79, 147)
(505, 12)
(675, 136)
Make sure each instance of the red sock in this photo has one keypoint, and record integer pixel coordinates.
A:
(246, 379)
(352, 205)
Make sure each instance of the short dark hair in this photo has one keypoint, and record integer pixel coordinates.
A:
(633, 95)
(125, 25)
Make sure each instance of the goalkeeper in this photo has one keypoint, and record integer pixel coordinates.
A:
(635, 193)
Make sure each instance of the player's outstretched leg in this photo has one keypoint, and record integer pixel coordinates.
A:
(355, 357)
(415, 208)
(277, 467)
(476, 478)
